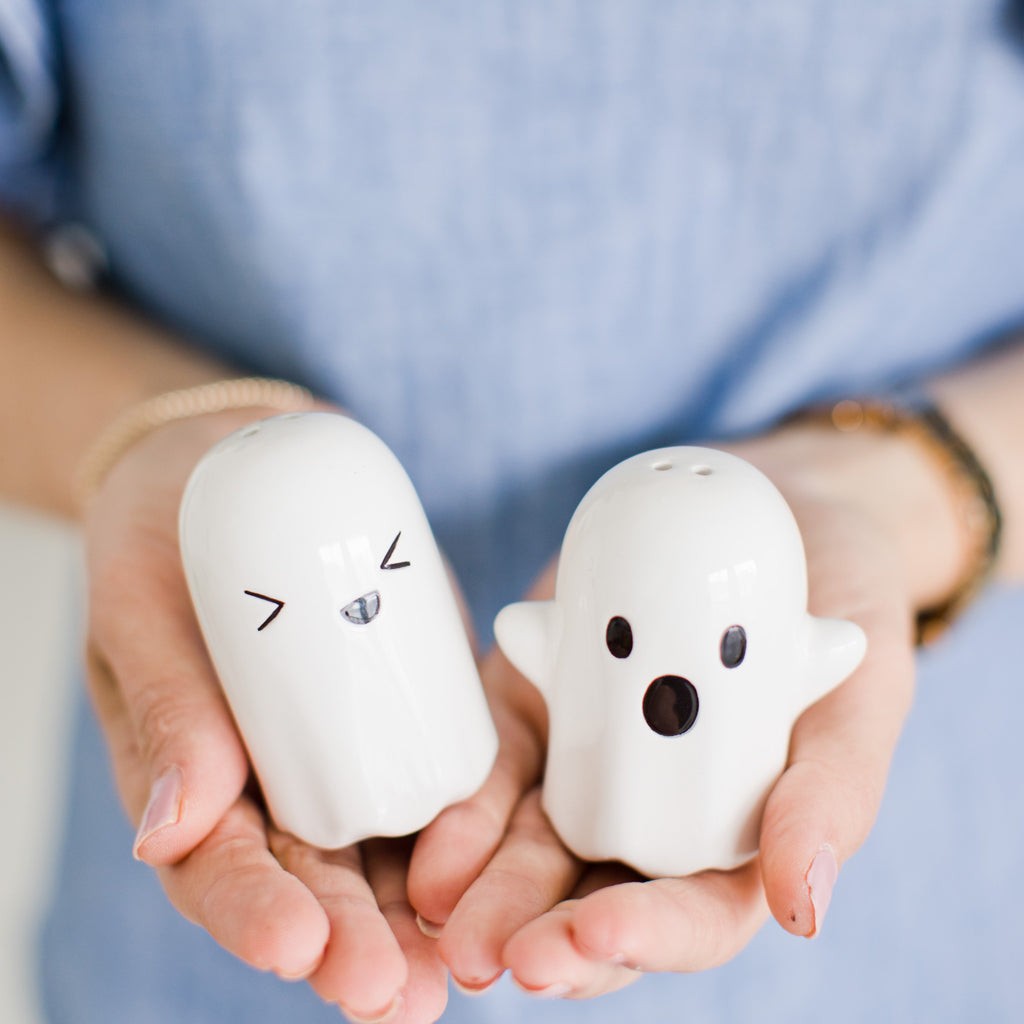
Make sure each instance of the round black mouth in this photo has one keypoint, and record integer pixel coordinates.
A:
(670, 705)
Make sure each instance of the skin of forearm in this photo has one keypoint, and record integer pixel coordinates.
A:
(72, 361)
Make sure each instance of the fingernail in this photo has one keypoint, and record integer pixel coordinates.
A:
(429, 928)
(821, 877)
(303, 974)
(621, 960)
(555, 991)
(392, 1011)
(472, 988)
(615, 959)
(163, 809)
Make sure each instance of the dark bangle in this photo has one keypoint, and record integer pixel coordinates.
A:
(977, 507)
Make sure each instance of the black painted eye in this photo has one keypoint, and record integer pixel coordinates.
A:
(273, 615)
(386, 562)
(734, 646)
(619, 637)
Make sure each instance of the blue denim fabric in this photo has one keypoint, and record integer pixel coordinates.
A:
(521, 240)
(29, 109)
(924, 923)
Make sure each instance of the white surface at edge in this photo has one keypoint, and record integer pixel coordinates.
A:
(40, 609)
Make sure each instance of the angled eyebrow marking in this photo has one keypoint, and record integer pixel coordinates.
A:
(273, 615)
(386, 563)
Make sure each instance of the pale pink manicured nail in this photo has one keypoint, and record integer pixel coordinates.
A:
(390, 1013)
(821, 877)
(555, 991)
(303, 974)
(163, 809)
(474, 989)
(429, 928)
(615, 959)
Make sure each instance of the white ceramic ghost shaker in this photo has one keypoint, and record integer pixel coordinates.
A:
(330, 620)
(674, 659)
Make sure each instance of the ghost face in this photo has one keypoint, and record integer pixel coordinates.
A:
(329, 617)
(671, 703)
(674, 660)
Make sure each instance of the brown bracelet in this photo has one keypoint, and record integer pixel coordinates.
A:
(142, 419)
(977, 507)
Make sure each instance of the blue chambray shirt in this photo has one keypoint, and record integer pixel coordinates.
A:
(521, 240)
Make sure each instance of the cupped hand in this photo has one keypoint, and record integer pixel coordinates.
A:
(340, 919)
(880, 542)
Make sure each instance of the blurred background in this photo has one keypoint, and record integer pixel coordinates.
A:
(40, 614)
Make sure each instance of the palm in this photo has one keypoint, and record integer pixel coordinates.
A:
(578, 930)
(270, 899)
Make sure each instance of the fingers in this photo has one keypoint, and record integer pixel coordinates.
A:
(425, 994)
(453, 850)
(217, 868)
(363, 967)
(823, 807)
(307, 914)
(826, 802)
(596, 944)
(314, 914)
(455, 847)
(528, 875)
(177, 756)
(672, 924)
(130, 772)
(546, 962)
(377, 965)
(592, 946)
(233, 887)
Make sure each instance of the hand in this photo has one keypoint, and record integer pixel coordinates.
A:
(339, 919)
(574, 930)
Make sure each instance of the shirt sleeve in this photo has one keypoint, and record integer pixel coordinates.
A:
(29, 108)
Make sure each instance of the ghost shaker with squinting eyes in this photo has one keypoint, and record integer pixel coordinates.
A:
(674, 660)
(329, 616)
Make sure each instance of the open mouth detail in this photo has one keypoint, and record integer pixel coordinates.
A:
(671, 705)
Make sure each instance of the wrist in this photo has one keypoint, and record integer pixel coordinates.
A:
(207, 405)
(908, 494)
(891, 481)
(937, 502)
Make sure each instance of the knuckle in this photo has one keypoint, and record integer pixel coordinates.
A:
(163, 720)
(208, 905)
(482, 819)
(98, 674)
(296, 857)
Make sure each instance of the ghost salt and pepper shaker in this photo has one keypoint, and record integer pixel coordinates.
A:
(674, 659)
(330, 619)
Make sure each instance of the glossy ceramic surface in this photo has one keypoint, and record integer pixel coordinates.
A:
(674, 659)
(329, 616)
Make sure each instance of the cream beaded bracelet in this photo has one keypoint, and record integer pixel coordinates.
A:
(135, 423)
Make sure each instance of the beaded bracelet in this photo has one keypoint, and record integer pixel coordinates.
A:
(977, 507)
(142, 419)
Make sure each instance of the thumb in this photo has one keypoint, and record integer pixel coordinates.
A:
(823, 807)
(177, 757)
